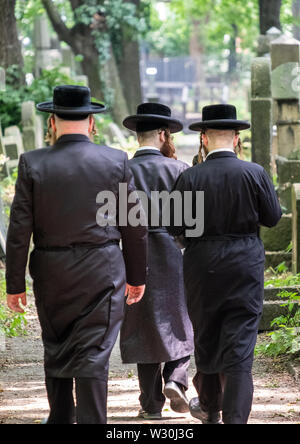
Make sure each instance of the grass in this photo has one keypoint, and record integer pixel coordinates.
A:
(11, 324)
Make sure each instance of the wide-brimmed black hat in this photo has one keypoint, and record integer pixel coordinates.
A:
(152, 116)
(72, 102)
(220, 117)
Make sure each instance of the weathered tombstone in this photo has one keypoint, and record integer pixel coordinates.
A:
(2, 79)
(264, 41)
(32, 127)
(288, 172)
(45, 56)
(42, 38)
(3, 231)
(277, 238)
(13, 147)
(296, 227)
(287, 112)
(285, 49)
(68, 58)
(285, 58)
(261, 112)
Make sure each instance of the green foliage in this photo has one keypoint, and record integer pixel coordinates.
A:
(11, 324)
(118, 14)
(40, 90)
(279, 281)
(286, 338)
(219, 22)
(169, 38)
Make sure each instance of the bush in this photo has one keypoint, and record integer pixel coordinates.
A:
(286, 339)
(41, 90)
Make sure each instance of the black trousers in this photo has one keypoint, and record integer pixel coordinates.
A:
(91, 401)
(151, 378)
(232, 393)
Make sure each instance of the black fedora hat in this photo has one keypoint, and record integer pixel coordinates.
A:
(72, 102)
(220, 117)
(152, 116)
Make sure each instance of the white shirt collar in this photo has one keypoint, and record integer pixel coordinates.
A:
(148, 148)
(220, 150)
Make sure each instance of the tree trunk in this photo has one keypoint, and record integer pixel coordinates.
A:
(130, 75)
(120, 108)
(10, 46)
(129, 66)
(232, 62)
(269, 12)
(80, 39)
(197, 49)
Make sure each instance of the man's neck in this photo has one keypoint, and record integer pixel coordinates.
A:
(220, 148)
(146, 146)
(73, 131)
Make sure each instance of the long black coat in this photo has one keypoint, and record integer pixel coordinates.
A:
(224, 269)
(158, 329)
(78, 269)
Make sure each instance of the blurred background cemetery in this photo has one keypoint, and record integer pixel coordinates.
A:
(184, 53)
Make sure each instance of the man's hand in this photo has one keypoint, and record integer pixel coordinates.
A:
(134, 294)
(13, 301)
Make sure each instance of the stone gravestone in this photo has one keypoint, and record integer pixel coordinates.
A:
(13, 147)
(261, 112)
(296, 230)
(285, 58)
(264, 41)
(3, 232)
(68, 58)
(2, 79)
(45, 56)
(32, 127)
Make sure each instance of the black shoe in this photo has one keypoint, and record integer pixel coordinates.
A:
(179, 402)
(205, 417)
(149, 416)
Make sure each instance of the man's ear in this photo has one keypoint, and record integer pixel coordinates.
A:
(53, 123)
(91, 123)
(236, 140)
(162, 136)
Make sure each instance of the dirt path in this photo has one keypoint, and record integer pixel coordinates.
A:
(23, 397)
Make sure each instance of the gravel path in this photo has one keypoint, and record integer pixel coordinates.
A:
(23, 396)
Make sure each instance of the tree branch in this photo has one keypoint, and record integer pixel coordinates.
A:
(63, 32)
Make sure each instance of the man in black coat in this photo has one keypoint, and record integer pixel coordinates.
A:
(158, 329)
(79, 272)
(224, 268)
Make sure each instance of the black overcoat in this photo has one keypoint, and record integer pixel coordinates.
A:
(78, 270)
(224, 269)
(158, 329)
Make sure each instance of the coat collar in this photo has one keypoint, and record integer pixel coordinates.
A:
(147, 152)
(72, 138)
(221, 154)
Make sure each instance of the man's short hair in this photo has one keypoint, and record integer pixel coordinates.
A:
(147, 135)
(70, 117)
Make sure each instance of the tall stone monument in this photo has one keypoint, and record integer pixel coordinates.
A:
(46, 57)
(285, 59)
(32, 127)
(261, 112)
